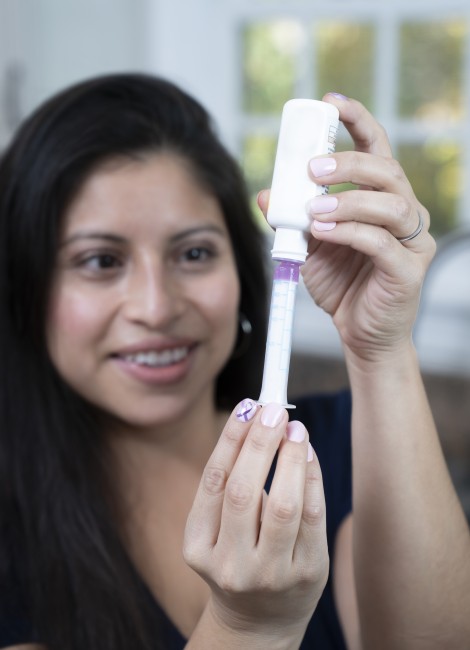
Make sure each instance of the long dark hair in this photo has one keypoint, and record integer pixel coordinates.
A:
(80, 585)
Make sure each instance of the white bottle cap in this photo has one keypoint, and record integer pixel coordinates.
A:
(308, 129)
(290, 244)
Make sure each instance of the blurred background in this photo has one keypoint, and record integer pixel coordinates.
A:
(408, 63)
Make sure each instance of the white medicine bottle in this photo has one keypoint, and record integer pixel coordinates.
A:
(308, 129)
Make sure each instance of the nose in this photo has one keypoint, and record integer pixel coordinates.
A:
(152, 297)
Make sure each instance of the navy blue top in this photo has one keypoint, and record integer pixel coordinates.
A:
(327, 418)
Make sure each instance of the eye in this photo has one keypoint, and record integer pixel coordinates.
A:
(198, 254)
(100, 262)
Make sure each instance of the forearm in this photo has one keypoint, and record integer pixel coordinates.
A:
(411, 539)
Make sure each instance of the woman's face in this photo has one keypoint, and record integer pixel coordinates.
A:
(145, 294)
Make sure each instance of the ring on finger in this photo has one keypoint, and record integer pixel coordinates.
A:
(416, 232)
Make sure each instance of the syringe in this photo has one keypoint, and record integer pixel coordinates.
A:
(279, 339)
(308, 129)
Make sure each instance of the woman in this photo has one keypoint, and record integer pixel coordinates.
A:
(129, 520)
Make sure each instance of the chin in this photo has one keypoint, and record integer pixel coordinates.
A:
(151, 414)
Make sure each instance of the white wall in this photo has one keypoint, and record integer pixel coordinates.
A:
(195, 44)
(11, 67)
(57, 42)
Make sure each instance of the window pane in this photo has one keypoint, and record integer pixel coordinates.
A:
(431, 68)
(258, 161)
(344, 54)
(434, 172)
(269, 64)
(258, 153)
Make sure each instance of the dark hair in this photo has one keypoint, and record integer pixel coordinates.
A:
(55, 519)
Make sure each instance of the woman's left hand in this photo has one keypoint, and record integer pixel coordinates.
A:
(357, 269)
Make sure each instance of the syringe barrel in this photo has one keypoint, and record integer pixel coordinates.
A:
(279, 339)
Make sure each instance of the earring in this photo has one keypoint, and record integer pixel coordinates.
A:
(244, 336)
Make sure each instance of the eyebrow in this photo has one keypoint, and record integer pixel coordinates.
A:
(92, 235)
(117, 239)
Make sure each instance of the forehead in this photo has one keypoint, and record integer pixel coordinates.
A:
(158, 188)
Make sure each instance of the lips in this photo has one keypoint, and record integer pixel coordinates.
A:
(156, 362)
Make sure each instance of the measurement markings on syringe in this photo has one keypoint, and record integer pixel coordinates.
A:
(282, 313)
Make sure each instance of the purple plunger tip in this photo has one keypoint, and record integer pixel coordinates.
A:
(287, 270)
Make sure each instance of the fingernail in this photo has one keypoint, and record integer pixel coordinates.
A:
(246, 410)
(310, 454)
(322, 226)
(296, 431)
(322, 166)
(322, 204)
(272, 414)
(338, 95)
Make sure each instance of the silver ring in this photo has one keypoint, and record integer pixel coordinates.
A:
(416, 232)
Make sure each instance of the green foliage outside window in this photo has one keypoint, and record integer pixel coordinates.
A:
(344, 55)
(269, 65)
(434, 172)
(258, 155)
(431, 70)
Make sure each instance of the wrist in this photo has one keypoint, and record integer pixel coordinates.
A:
(388, 363)
(222, 628)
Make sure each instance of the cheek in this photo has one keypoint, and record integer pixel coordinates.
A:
(72, 320)
(220, 303)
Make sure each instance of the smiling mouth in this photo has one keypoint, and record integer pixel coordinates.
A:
(154, 359)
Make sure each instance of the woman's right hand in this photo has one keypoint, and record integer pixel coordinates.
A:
(264, 557)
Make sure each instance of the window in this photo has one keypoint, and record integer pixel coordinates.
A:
(410, 65)
(408, 68)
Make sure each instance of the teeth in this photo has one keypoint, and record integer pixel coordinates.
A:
(157, 359)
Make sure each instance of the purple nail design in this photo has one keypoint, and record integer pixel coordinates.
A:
(338, 95)
(246, 410)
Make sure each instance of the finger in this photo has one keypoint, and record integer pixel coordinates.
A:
(203, 523)
(241, 510)
(263, 201)
(362, 169)
(368, 135)
(392, 211)
(283, 510)
(311, 549)
(385, 251)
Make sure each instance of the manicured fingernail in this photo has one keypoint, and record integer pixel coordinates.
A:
(272, 414)
(296, 431)
(310, 454)
(322, 166)
(322, 204)
(246, 410)
(338, 95)
(322, 226)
